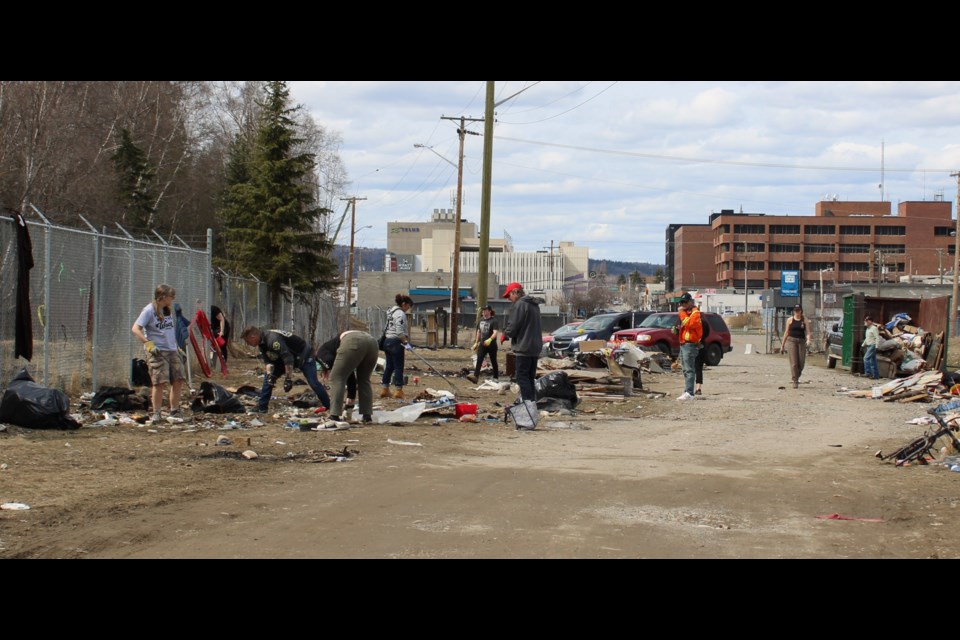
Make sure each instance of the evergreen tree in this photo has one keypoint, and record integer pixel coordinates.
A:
(135, 182)
(270, 217)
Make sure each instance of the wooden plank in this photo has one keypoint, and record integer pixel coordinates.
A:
(915, 398)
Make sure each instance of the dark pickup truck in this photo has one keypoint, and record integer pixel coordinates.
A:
(834, 346)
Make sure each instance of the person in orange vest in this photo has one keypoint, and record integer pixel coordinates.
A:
(690, 330)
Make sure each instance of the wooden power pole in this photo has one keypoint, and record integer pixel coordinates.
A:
(353, 230)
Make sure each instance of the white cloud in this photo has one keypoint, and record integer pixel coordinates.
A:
(611, 164)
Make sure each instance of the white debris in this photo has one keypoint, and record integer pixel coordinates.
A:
(409, 444)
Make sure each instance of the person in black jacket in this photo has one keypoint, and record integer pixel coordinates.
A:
(283, 351)
(526, 337)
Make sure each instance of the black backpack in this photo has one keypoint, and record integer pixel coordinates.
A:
(705, 323)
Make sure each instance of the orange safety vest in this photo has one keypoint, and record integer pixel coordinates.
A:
(691, 329)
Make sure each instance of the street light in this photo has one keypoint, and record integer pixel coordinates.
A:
(823, 271)
(430, 149)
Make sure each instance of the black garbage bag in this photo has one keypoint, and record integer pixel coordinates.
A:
(555, 404)
(118, 399)
(556, 384)
(28, 404)
(216, 399)
(140, 372)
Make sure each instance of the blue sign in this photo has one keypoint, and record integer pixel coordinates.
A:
(790, 284)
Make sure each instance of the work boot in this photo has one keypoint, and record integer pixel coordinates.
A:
(398, 394)
(385, 392)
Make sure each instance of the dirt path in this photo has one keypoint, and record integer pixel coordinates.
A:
(745, 472)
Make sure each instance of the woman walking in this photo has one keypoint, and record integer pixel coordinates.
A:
(396, 342)
(155, 328)
(796, 339)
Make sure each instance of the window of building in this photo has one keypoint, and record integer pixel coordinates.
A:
(854, 266)
(820, 248)
(784, 248)
(854, 230)
(724, 228)
(751, 265)
(892, 248)
(854, 248)
(817, 266)
(820, 229)
(749, 228)
(943, 231)
(780, 266)
(784, 229)
(891, 231)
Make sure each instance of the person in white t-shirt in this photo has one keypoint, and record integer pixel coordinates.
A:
(155, 327)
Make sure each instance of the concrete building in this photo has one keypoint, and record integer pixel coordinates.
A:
(429, 247)
(843, 242)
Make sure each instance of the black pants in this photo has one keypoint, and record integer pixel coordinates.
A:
(526, 377)
(698, 365)
(482, 352)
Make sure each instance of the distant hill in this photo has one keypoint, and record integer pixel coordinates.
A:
(615, 268)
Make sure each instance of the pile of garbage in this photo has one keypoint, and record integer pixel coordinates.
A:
(907, 348)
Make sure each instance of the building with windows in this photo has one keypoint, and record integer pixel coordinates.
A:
(429, 247)
(843, 242)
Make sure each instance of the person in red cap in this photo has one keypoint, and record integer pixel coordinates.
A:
(526, 337)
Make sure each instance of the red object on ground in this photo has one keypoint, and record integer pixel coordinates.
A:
(837, 516)
(465, 409)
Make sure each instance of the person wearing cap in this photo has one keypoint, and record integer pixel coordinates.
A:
(690, 331)
(796, 340)
(870, 367)
(526, 337)
(485, 343)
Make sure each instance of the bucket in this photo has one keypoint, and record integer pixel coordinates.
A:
(464, 409)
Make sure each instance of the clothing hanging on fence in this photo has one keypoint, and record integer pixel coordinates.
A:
(23, 345)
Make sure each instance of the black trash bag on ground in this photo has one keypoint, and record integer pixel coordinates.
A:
(556, 384)
(28, 404)
(118, 399)
(216, 399)
(555, 404)
(140, 373)
(307, 400)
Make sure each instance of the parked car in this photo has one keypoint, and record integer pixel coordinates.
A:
(656, 332)
(567, 327)
(834, 346)
(598, 327)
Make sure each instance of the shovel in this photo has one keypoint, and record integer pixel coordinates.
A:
(432, 368)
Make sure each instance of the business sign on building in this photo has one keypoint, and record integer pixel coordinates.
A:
(790, 284)
(406, 263)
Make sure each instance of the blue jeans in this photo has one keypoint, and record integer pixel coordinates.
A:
(688, 358)
(394, 352)
(526, 377)
(870, 367)
(309, 370)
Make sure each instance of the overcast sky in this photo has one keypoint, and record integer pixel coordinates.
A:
(610, 164)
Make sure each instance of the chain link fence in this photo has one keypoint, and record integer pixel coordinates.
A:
(87, 288)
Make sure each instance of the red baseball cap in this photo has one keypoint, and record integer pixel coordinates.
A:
(513, 286)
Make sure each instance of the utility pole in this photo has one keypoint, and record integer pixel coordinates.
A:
(880, 265)
(956, 258)
(485, 197)
(940, 264)
(455, 284)
(353, 230)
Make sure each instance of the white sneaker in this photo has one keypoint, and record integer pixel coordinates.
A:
(686, 396)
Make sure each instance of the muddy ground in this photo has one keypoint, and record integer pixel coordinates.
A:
(752, 469)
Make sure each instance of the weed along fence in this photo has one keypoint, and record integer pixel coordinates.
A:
(87, 287)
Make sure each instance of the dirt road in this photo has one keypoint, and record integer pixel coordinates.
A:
(753, 469)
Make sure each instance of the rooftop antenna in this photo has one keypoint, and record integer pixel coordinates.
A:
(882, 194)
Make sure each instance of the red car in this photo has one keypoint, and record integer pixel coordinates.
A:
(656, 333)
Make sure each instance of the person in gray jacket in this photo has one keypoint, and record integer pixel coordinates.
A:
(526, 337)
